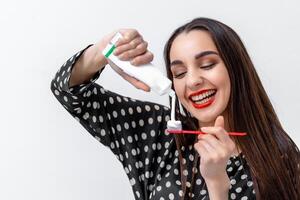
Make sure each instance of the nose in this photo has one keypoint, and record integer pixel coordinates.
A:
(194, 80)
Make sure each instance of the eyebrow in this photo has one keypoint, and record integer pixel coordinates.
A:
(197, 56)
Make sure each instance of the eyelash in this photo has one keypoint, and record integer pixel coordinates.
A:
(178, 75)
(205, 67)
(208, 66)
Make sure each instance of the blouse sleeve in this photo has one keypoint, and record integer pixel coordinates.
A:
(241, 183)
(131, 129)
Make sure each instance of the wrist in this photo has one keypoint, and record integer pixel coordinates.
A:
(221, 181)
(96, 59)
(218, 188)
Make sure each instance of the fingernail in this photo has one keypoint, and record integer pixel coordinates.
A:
(118, 42)
(133, 62)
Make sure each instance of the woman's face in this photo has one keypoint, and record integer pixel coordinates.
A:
(200, 78)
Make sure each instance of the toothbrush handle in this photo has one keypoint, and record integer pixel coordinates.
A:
(200, 132)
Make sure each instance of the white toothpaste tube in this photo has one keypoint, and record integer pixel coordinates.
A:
(146, 73)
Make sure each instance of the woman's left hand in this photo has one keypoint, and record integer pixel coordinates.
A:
(215, 148)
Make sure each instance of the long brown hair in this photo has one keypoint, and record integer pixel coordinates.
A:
(271, 154)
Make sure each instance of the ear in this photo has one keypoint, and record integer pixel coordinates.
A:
(220, 121)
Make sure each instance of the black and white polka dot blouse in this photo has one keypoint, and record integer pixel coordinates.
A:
(135, 131)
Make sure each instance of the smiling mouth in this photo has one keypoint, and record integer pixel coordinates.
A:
(203, 99)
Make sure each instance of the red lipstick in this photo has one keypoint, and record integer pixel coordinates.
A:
(206, 104)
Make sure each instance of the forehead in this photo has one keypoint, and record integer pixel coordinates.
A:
(191, 43)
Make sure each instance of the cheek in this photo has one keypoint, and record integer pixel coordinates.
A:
(223, 82)
(221, 78)
(226, 83)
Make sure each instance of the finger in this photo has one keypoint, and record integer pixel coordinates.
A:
(200, 149)
(135, 82)
(142, 59)
(207, 145)
(219, 149)
(205, 150)
(128, 35)
(131, 54)
(218, 132)
(115, 68)
(211, 140)
(128, 46)
(224, 145)
(219, 121)
(139, 50)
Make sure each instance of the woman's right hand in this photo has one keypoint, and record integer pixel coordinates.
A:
(131, 48)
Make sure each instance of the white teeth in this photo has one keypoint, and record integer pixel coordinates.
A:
(203, 101)
(202, 96)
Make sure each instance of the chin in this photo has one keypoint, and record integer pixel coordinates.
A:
(208, 117)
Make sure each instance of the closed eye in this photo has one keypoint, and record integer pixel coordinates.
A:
(205, 67)
(179, 75)
(208, 66)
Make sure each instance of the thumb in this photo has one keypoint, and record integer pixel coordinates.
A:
(219, 121)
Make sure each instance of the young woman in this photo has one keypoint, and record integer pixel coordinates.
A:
(219, 91)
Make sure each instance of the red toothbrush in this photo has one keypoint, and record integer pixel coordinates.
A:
(199, 132)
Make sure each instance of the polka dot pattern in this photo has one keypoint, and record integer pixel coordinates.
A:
(135, 131)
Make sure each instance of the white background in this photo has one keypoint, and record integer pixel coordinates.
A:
(45, 154)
